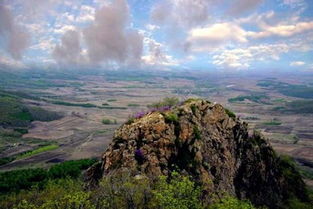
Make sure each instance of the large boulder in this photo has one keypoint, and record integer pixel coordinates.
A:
(207, 142)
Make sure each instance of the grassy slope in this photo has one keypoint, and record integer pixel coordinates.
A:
(14, 113)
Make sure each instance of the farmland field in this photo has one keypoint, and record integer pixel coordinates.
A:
(83, 110)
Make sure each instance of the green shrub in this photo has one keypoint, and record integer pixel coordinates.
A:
(230, 113)
(231, 203)
(171, 117)
(71, 168)
(21, 130)
(306, 172)
(193, 108)
(12, 181)
(120, 190)
(179, 192)
(107, 121)
(192, 100)
(130, 120)
(197, 132)
(294, 203)
(296, 187)
(166, 102)
(6, 160)
(61, 194)
(170, 101)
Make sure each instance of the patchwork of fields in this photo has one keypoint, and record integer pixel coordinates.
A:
(49, 117)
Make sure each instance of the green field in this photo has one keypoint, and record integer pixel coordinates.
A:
(272, 123)
(257, 98)
(293, 90)
(9, 138)
(87, 105)
(38, 150)
(296, 107)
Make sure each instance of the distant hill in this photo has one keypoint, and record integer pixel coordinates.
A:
(14, 113)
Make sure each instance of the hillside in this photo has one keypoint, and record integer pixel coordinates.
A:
(207, 142)
(191, 155)
(14, 113)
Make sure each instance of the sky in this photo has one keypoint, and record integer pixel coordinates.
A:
(157, 34)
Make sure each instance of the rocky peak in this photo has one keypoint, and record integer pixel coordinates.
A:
(206, 141)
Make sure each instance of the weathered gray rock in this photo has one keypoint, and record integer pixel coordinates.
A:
(205, 141)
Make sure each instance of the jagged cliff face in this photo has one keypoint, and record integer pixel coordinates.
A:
(205, 141)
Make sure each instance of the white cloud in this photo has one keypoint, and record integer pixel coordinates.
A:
(36, 28)
(294, 3)
(69, 51)
(228, 34)
(257, 19)
(87, 14)
(44, 44)
(243, 57)
(283, 30)
(156, 55)
(181, 13)
(64, 28)
(167, 60)
(17, 39)
(152, 27)
(205, 39)
(6, 61)
(108, 40)
(297, 63)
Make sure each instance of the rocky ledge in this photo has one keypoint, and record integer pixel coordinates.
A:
(207, 142)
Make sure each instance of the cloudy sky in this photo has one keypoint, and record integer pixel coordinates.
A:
(157, 34)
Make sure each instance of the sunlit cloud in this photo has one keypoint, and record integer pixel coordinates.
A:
(297, 63)
(239, 34)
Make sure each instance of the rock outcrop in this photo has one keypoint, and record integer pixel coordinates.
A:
(207, 142)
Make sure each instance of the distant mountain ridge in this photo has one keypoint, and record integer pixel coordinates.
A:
(209, 143)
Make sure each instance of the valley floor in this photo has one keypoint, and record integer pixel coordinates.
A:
(266, 102)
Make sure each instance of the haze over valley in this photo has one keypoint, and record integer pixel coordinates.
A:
(78, 79)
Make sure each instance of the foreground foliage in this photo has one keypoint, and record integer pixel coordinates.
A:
(116, 191)
(61, 187)
(63, 190)
(14, 181)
